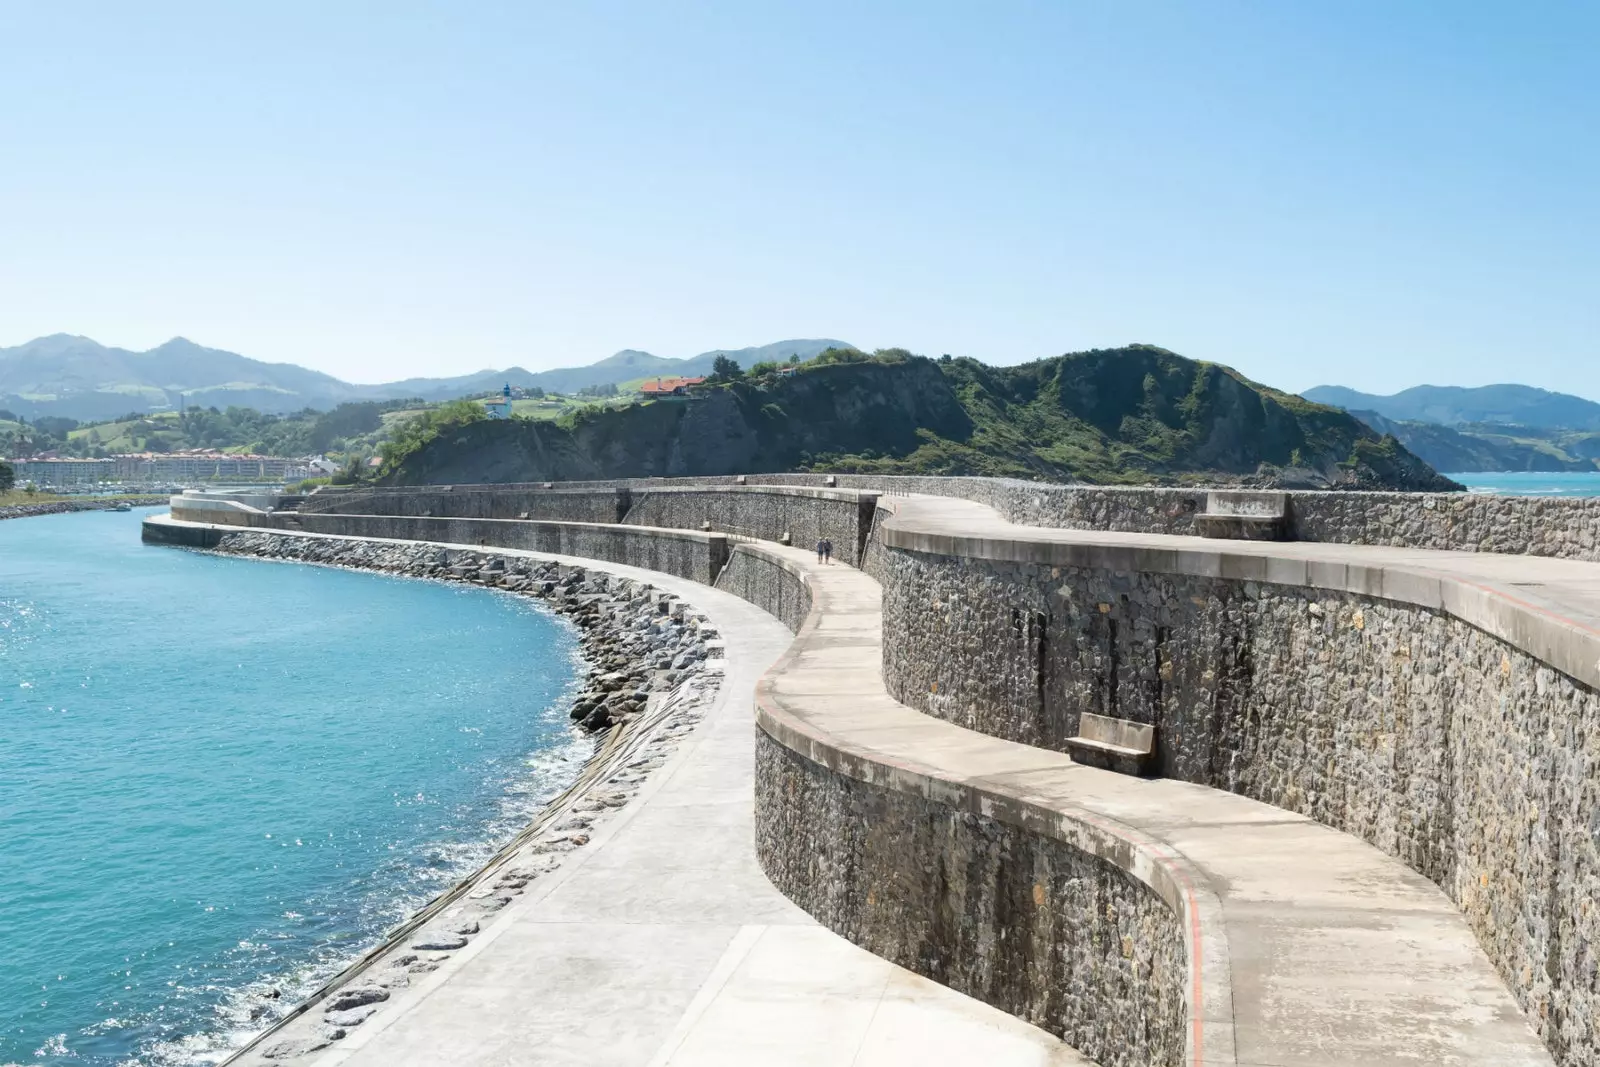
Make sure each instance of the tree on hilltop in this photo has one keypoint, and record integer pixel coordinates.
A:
(726, 369)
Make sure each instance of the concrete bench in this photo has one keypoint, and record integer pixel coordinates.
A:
(1113, 744)
(1244, 515)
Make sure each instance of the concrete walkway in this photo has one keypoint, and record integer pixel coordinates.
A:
(662, 944)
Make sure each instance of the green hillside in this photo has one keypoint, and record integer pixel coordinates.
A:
(1130, 415)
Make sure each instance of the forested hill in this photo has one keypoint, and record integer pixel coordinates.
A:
(1128, 415)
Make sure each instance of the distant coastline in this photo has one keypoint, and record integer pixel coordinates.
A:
(61, 507)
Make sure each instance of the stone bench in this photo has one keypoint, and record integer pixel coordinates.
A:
(1244, 516)
(1113, 744)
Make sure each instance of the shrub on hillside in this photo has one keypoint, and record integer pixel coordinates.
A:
(411, 435)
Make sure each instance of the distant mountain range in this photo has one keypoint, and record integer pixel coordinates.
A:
(1450, 405)
(80, 378)
(1489, 428)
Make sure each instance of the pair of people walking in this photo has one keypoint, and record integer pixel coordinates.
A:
(824, 551)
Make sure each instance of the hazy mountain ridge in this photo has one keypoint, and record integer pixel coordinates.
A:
(1487, 428)
(1453, 405)
(80, 378)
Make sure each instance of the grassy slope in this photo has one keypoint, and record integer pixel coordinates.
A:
(555, 405)
(119, 436)
(1133, 415)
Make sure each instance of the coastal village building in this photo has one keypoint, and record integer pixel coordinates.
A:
(189, 466)
(205, 465)
(669, 386)
(55, 473)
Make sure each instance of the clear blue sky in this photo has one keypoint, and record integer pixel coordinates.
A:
(1371, 193)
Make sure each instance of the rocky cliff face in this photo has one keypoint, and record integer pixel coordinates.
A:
(1138, 414)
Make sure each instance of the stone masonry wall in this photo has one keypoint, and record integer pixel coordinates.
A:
(760, 580)
(499, 502)
(1564, 527)
(805, 515)
(1019, 920)
(1470, 761)
(687, 555)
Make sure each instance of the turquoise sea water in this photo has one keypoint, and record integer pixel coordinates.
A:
(219, 776)
(1532, 483)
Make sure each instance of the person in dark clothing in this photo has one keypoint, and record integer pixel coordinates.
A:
(827, 551)
(820, 543)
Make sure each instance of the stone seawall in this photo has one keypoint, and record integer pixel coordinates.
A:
(1063, 919)
(478, 502)
(1441, 744)
(1413, 711)
(696, 556)
(225, 512)
(797, 515)
(1559, 527)
(1030, 924)
(770, 583)
(684, 553)
(1104, 964)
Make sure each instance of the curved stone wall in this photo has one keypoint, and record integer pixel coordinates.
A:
(797, 514)
(684, 553)
(1037, 927)
(218, 509)
(771, 583)
(1066, 920)
(477, 502)
(1560, 527)
(1071, 922)
(801, 516)
(1442, 744)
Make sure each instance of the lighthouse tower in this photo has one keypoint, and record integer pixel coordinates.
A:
(499, 407)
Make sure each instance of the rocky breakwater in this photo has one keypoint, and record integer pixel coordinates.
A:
(654, 666)
(636, 639)
(62, 507)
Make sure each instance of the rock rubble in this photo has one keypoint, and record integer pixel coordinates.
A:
(637, 639)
